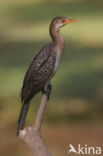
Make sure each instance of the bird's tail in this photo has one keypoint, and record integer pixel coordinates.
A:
(22, 117)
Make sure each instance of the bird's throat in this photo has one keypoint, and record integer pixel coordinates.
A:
(56, 36)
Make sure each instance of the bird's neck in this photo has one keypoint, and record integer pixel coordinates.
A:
(57, 38)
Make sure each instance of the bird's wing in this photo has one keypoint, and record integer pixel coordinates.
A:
(38, 72)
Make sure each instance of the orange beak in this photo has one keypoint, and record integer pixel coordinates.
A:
(69, 21)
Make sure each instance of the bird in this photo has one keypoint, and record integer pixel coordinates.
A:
(42, 68)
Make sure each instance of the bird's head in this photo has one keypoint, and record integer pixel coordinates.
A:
(59, 22)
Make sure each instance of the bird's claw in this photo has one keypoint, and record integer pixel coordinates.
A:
(48, 91)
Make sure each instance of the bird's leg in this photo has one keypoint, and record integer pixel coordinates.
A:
(47, 91)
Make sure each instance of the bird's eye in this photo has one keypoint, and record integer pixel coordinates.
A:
(63, 20)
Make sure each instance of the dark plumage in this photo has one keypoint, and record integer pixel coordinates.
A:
(42, 68)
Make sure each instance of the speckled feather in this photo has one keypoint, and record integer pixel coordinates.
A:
(39, 71)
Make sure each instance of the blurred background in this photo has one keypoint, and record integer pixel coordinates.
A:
(75, 111)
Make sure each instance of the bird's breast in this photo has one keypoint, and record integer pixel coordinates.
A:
(57, 62)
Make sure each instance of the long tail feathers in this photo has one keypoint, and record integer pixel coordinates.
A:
(22, 117)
